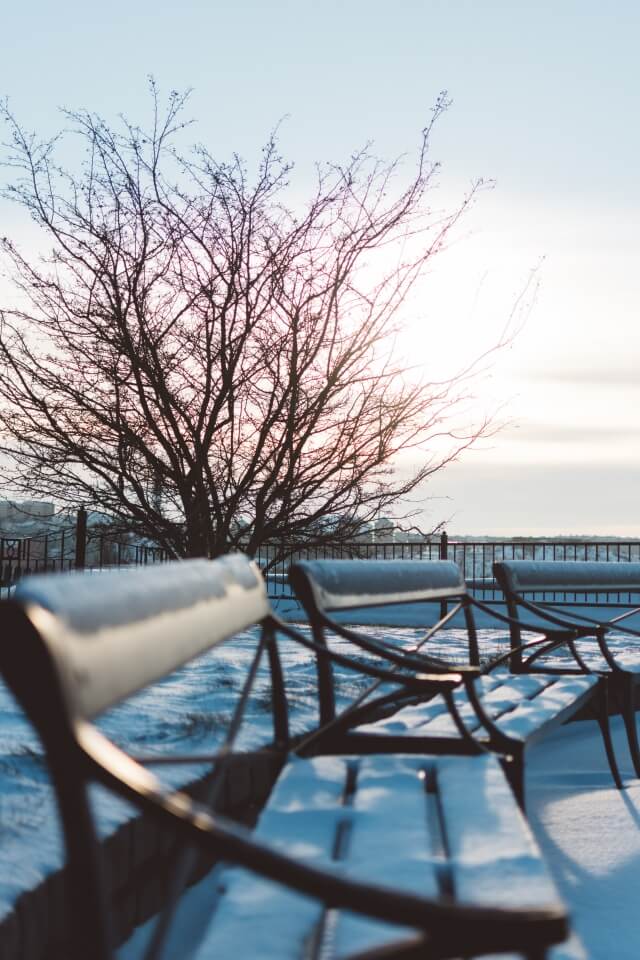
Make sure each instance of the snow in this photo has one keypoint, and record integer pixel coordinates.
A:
(499, 691)
(302, 817)
(531, 715)
(187, 712)
(589, 834)
(587, 830)
(393, 839)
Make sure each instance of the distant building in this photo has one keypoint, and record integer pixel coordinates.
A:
(25, 511)
(33, 535)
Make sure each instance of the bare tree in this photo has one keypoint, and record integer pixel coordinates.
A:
(201, 361)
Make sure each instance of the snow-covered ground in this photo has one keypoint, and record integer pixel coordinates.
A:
(589, 832)
(590, 835)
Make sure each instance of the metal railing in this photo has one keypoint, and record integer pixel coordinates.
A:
(76, 547)
(82, 547)
(475, 558)
(275, 572)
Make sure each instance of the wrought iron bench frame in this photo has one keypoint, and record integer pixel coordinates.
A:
(518, 578)
(324, 587)
(75, 644)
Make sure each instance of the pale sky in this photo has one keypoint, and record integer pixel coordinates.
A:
(546, 100)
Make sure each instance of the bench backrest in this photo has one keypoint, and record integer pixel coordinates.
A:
(334, 585)
(519, 577)
(567, 576)
(111, 634)
(331, 586)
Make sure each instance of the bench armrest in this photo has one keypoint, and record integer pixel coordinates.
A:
(592, 628)
(411, 659)
(576, 627)
(523, 625)
(580, 620)
(420, 682)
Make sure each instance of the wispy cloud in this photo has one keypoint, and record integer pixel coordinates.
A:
(551, 433)
(620, 375)
(543, 498)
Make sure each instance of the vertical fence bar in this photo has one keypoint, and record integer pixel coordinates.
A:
(444, 555)
(81, 538)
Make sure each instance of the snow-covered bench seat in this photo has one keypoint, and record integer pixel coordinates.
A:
(527, 586)
(500, 710)
(360, 851)
(440, 826)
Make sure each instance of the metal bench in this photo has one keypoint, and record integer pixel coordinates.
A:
(501, 710)
(527, 584)
(358, 855)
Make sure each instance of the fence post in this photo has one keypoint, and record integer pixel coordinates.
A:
(444, 545)
(81, 538)
(444, 555)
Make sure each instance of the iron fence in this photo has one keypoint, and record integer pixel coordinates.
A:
(475, 558)
(82, 547)
(274, 560)
(71, 548)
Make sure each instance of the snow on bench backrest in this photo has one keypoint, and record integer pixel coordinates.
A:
(570, 576)
(113, 633)
(347, 584)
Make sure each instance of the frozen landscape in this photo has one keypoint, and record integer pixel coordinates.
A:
(586, 828)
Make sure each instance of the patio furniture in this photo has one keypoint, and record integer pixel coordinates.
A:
(359, 855)
(527, 584)
(500, 710)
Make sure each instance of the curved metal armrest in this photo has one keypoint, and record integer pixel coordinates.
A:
(410, 660)
(553, 642)
(598, 631)
(553, 638)
(456, 928)
(586, 628)
(418, 681)
(589, 623)
(529, 627)
(606, 652)
(567, 633)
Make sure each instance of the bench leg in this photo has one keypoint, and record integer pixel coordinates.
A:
(603, 721)
(628, 712)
